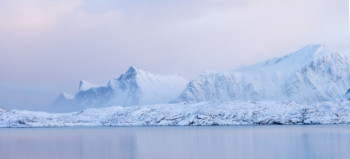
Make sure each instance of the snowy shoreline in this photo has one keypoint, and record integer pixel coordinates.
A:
(188, 114)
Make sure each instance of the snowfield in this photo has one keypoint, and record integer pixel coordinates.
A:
(186, 114)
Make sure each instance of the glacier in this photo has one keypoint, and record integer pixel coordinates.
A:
(188, 114)
(134, 87)
(311, 74)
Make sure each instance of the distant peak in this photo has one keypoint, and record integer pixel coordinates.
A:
(308, 53)
(296, 60)
(314, 46)
(132, 70)
(312, 49)
(84, 85)
(135, 74)
(66, 96)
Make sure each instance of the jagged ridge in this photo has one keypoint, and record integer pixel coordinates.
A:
(135, 87)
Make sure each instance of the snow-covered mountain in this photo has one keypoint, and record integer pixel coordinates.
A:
(313, 73)
(135, 87)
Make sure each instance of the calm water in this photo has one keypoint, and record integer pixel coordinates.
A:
(241, 142)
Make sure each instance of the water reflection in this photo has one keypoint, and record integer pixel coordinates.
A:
(243, 142)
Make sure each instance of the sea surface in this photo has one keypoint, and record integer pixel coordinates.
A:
(217, 142)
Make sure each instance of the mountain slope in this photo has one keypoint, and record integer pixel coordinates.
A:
(135, 87)
(313, 73)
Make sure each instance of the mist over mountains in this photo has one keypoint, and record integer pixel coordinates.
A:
(312, 74)
(134, 87)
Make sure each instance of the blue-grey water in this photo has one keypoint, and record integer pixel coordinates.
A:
(238, 142)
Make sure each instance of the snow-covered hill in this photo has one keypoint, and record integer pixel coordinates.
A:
(313, 73)
(202, 113)
(135, 87)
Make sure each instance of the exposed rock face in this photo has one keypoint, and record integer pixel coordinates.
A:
(347, 94)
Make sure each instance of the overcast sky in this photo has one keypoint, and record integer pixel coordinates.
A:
(47, 46)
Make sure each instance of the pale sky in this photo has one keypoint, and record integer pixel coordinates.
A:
(48, 46)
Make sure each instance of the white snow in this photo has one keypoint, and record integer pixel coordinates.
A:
(202, 113)
(311, 74)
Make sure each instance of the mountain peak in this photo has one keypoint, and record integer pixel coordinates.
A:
(132, 69)
(130, 73)
(313, 47)
(62, 97)
(313, 73)
(294, 61)
(66, 96)
(306, 54)
(84, 85)
(313, 51)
